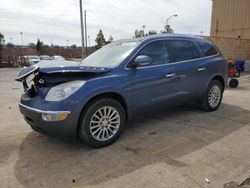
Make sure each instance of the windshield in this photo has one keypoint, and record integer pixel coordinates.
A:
(110, 55)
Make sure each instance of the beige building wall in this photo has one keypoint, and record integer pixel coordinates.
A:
(231, 19)
(235, 49)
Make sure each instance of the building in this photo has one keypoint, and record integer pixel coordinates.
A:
(230, 28)
(230, 19)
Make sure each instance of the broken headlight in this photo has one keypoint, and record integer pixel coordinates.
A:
(63, 91)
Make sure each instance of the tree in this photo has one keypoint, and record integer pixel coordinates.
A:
(1, 39)
(139, 33)
(167, 29)
(110, 38)
(40, 47)
(1, 47)
(100, 40)
(152, 32)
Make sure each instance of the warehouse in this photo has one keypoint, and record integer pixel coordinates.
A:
(230, 28)
(230, 18)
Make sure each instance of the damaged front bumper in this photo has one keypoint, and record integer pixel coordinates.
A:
(55, 123)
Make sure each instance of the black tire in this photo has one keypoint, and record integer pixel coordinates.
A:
(84, 131)
(204, 104)
(233, 83)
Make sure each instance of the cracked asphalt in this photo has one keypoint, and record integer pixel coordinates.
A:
(176, 147)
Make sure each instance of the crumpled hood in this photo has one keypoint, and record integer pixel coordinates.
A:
(50, 67)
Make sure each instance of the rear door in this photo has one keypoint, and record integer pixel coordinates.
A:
(188, 70)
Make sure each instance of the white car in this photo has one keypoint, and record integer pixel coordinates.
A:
(58, 57)
(32, 59)
(45, 57)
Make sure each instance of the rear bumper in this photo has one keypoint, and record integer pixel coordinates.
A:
(64, 128)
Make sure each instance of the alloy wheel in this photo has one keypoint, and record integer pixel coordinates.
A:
(105, 123)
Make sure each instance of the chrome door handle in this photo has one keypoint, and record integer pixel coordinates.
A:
(202, 69)
(170, 75)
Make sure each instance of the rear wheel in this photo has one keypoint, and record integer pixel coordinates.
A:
(101, 122)
(213, 96)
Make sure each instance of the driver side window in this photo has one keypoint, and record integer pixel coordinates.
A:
(157, 51)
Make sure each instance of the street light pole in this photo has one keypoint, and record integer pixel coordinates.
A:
(82, 29)
(86, 39)
(89, 40)
(21, 33)
(10, 40)
(175, 15)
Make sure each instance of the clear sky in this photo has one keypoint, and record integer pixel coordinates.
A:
(56, 21)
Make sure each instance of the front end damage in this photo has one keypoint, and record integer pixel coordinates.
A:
(52, 117)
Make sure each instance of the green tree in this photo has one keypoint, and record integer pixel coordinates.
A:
(41, 48)
(1, 46)
(110, 38)
(1, 38)
(167, 29)
(139, 33)
(100, 40)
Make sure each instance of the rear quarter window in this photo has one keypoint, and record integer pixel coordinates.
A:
(207, 48)
(180, 50)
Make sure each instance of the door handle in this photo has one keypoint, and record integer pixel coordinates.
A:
(202, 69)
(170, 75)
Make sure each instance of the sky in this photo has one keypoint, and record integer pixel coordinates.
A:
(56, 21)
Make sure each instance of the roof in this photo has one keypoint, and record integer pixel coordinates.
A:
(159, 36)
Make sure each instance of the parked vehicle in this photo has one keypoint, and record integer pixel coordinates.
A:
(58, 57)
(95, 98)
(32, 59)
(45, 57)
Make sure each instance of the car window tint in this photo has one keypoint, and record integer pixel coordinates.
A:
(181, 50)
(157, 51)
(194, 50)
(207, 48)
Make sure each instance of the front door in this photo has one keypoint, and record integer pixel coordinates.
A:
(154, 84)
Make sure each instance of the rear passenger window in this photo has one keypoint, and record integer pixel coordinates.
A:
(207, 48)
(181, 50)
(157, 51)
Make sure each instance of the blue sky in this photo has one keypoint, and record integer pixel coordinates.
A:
(56, 21)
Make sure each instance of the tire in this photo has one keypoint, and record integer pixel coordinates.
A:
(105, 130)
(233, 83)
(211, 102)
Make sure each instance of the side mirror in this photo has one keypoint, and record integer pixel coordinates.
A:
(141, 60)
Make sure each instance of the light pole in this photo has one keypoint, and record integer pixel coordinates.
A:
(21, 33)
(175, 15)
(11, 40)
(82, 29)
(143, 27)
(89, 40)
(67, 43)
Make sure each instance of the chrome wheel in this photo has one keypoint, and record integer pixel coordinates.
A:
(214, 96)
(105, 123)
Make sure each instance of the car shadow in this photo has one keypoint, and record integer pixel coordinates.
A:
(153, 137)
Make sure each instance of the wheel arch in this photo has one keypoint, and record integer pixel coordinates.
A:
(114, 95)
(220, 79)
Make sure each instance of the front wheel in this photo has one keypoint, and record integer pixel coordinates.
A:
(101, 122)
(213, 96)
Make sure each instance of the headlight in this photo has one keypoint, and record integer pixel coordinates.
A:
(63, 91)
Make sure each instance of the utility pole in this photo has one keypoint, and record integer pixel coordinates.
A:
(86, 39)
(21, 33)
(82, 29)
(89, 40)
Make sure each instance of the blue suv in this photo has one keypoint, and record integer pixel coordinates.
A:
(93, 99)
